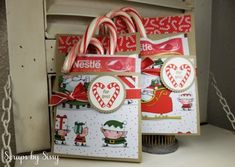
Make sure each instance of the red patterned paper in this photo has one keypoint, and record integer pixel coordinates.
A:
(65, 42)
(126, 43)
(171, 46)
(161, 25)
(104, 64)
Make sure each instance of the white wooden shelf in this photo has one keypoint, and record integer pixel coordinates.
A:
(176, 4)
(66, 25)
(215, 147)
(74, 10)
(94, 8)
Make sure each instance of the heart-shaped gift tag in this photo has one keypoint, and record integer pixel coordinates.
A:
(106, 93)
(177, 74)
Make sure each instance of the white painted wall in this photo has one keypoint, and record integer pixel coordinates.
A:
(26, 43)
(222, 61)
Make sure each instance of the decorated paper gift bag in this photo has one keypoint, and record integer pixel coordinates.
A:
(169, 100)
(97, 105)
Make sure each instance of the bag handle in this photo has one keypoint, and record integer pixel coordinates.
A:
(70, 58)
(81, 46)
(124, 16)
(137, 19)
(95, 25)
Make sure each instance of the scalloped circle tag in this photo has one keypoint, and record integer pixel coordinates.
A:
(178, 74)
(106, 93)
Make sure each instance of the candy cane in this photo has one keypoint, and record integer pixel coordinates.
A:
(168, 73)
(126, 18)
(91, 30)
(115, 94)
(70, 58)
(186, 76)
(96, 94)
(82, 45)
(137, 20)
(98, 46)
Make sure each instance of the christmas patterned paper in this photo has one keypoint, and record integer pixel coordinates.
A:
(164, 110)
(127, 43)
(174, 45)
(161, 25)
(97, 116)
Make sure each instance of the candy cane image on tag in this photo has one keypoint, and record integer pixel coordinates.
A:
(178, 73)
(169, 75)
(115, 94)
(186, 76)
(106, 93)
(96, 94)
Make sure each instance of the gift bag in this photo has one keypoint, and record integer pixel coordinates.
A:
(169, 101)
(97, 104)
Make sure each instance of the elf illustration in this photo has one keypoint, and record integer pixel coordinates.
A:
(114, 133)
(81, 131)
(155, 97)
(186, 100)
(61, 129)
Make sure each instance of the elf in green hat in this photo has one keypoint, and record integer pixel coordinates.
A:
(114, 133)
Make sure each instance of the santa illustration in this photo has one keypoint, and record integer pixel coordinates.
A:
(148, 93)
(186, 100)
(155, 98)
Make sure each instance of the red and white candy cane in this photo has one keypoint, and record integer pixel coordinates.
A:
(137, 20)
(70, 58)
(82, 45)
(96, 94)
(168, 73)
(115, 94)
(124, 16)
(186, 76)
(93, 27)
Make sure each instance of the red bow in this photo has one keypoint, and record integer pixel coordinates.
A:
(78, 94)
(147, 62)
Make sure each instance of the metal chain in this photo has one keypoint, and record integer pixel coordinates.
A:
(223, 101)
(5, 119)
